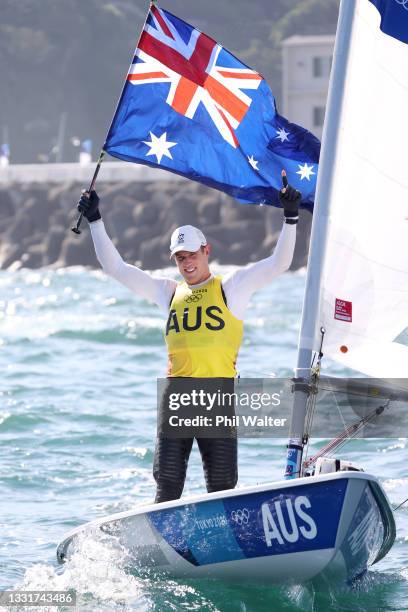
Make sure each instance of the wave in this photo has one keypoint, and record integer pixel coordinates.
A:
(143, 336)
(20, 422)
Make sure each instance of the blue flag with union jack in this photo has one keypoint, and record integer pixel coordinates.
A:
(189, 106)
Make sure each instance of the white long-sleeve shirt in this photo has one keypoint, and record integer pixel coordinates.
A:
(238, 285)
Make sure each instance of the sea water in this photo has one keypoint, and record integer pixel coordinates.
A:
(79, 358)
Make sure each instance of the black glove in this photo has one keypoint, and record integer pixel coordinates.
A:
(88, 205)
(289, 199)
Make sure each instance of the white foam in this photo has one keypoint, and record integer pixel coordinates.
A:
(95, 569)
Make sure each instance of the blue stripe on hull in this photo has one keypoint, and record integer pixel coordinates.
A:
(282, 521)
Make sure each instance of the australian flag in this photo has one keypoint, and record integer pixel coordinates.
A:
(189, 106)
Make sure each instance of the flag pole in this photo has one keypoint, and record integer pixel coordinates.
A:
(76, 229)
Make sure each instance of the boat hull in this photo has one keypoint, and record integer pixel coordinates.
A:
(333, 525)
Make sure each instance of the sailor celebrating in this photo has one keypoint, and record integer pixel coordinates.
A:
(204, 326)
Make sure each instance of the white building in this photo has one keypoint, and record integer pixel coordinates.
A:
(306, 66)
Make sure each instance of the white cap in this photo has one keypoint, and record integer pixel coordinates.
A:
(186, 238)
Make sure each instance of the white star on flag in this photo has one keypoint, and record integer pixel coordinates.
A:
(305, 171)
(254, 163)
(282, 134)
(159, 146)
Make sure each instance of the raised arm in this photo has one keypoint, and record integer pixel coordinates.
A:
(157, 290)
(241, 284)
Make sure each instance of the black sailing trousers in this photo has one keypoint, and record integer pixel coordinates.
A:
(219, 457)
(218, 449)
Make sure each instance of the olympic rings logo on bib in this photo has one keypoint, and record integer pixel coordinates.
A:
(193, 298)
(403, 3)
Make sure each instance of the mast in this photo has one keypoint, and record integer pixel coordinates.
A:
(310, 311)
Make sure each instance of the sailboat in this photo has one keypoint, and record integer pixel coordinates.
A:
(326, 518)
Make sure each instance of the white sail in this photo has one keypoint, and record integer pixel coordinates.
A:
(364, 297)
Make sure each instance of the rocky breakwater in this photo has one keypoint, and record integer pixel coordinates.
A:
(35, 221)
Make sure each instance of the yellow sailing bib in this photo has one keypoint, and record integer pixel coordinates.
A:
(202, 335)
